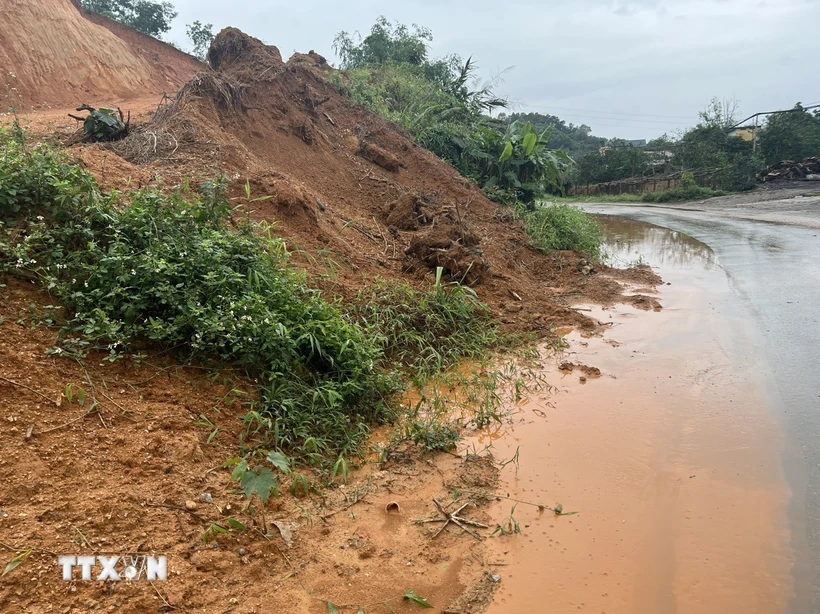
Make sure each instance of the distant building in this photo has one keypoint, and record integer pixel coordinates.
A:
(658, 159)
(625, 143)
(747, 133)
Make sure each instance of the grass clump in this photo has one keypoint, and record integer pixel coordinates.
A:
(172, 271)
(423, 332)
(681, 194)
(562, 227)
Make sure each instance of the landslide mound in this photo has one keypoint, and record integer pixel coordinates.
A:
(56, 53)
(341, 182)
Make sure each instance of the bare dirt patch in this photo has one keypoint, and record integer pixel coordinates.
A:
(54, 54)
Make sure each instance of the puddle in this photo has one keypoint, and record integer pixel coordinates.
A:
(630, 242)
(670, 458)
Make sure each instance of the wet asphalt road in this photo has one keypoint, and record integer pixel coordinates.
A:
(770, 253)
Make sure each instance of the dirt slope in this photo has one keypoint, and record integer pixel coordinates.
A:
(342, 182)
(59, 56)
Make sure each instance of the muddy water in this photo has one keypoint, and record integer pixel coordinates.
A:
(671, 458)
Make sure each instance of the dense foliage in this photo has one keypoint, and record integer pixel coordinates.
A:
(389, 72)
(711, 144)
(618, 161)
(426, 331)
(176, 273)
(151, 18)
(791, 136)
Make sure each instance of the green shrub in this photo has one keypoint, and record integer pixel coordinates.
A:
(688, 190)
(553, 227)
(425, 332)
(169, 269)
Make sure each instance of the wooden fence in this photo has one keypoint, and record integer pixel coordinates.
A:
(705, 177)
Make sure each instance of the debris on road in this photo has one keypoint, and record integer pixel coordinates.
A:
(788, 169)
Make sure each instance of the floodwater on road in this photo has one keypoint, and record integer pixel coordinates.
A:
(690, 486)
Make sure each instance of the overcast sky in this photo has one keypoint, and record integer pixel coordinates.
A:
(627, 68)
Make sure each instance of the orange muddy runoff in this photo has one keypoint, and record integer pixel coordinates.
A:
(670, 458)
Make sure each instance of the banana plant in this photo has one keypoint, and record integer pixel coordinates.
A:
(525, 164)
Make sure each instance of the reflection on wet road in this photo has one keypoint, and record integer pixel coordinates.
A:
(630, 242)
(675, 456)
(774, 274)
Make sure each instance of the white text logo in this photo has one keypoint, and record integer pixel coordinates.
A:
(115, 568)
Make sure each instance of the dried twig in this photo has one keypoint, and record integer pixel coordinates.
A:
(12, 382)
(448, 517)
(178, 508)
(346, 507)
(164, 600)
(70, 422)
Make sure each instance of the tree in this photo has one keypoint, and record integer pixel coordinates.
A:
(619, 161)
(201, 36)
(710, 145)
(151, 18)
(719, 113)
(386, 44)
(791, 136)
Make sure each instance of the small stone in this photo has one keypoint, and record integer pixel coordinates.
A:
(582, 379)
(495, 578)
(206, 497)
(190, 505)
(242, 552)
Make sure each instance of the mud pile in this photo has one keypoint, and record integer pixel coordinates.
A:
(54, 53)
(338, 180)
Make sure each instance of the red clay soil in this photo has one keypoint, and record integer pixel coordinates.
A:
(56, 54)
